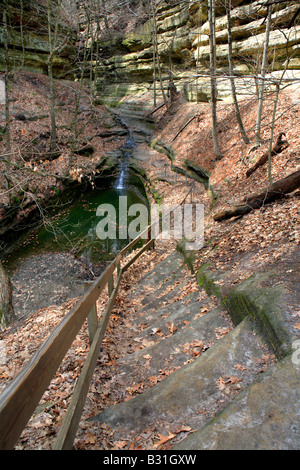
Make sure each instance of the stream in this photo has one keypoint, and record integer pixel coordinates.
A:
(54, 260)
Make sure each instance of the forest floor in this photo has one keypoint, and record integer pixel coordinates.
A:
(264, 237)
(36, 174)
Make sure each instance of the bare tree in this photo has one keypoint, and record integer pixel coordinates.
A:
(6, 97)
(156, 58)
(261, 85)
(232, 82)
(52, 50)
(213, 80)
(78, 92)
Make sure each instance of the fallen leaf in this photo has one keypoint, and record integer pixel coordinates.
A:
(196, 352)
(184, 429)
(90, 438)
(233, 380)
(154, 380)
(120, 444)
(240, 367)
(224, 385)
(164, 439)
(172, 328)
(134, 389)
(155, 331)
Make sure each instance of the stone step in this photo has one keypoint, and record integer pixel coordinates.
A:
(192, 394)
(161, 354)
(148, 315)
(149, 311)
(178, 279)
(162, 271)
(178, 313)
(265, 416)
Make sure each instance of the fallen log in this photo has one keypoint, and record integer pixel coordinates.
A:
(281, 144)
(156, 109)
(186, 124)
(273, 192)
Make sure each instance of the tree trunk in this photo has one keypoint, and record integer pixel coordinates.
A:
(7, 114)
(152, 14)
(77, 100)
(261, 85)
(233, 89)
(154, 69)
(271, 152)
(157, 54)
(213, 81)
(278, 148)
(52, 45)
(6, 98)
(97, 60)
(7, 314)
(273, 192)
(103, 5)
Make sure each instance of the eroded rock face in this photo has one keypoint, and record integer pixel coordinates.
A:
(28, 40)
(183, 38)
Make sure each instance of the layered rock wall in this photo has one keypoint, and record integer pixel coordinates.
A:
(183, 42)
(28, 40)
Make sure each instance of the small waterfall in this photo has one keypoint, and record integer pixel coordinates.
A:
(120, 180)
(127, 148)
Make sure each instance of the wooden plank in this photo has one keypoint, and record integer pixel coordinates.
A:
(137, 255)
(69, 426)
(110, 285)
(20, 398)
(92, 322)
(92, 316)
(131, 245)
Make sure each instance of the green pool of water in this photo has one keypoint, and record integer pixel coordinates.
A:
(74, 229)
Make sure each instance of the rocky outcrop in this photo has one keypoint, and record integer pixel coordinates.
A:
(28, 40)
(183, 41)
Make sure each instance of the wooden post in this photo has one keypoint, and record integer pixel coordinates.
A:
(110, 285)
(92, 316)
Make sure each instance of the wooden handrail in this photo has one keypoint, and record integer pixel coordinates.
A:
(20, 398)
(70, 423)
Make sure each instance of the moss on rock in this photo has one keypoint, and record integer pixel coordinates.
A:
(256, 298)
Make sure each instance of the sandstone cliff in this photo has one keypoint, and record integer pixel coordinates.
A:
(183, 45)
(28, 40)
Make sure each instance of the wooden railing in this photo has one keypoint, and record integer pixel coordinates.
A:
(21, 397)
